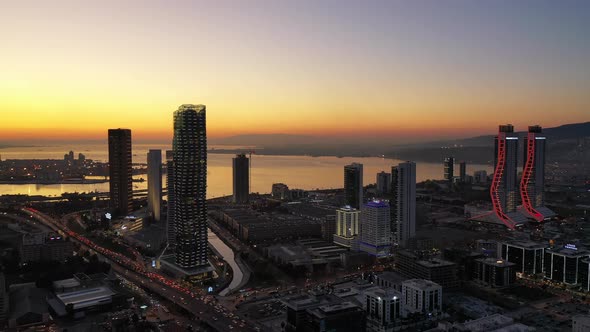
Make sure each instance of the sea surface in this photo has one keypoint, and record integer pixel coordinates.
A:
(303, 172)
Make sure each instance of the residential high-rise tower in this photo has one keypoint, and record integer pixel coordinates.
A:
(383, 183)
(449, 168)
(120, 171)
(375, 229)
(532, 183)
(353, 185)
(504, 188)
(170, 229)
(406, 202)
(190, 186)
(462, 172)
(154, 198)
(241, 178)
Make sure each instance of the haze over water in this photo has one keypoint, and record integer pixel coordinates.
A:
(302, 172)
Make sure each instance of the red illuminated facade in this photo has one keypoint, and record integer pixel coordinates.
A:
(504, 189)
(532, 182)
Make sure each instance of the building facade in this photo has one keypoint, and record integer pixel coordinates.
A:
(353, 185)
(154, 198)
(170, 229)
(3, 301)
(563, 264)
(440, 271)
(405, 202)
(383, 307)
(241, 178)
(462, 172)
(480, 177)
(532, 183)
(449, 169)
(120, 171)
(375, 236)
(527, 255)
(190, 186)
(504, 188)
(495, 273)
(347, 226)
(422, 296)
(383, 183)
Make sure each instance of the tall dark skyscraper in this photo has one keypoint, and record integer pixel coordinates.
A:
(504, 188)
(120, 171)
(170, 230)
(449, 168)
(406, 202)
(462, 171)
(383, 183)
(532, 183)
(393, 200)
(154, 161)
(353, 185)
(190, 186)
(241, 178)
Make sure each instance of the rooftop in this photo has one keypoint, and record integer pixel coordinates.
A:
(435, 262)
(393, 277)
(495, 262)
(527, 244)
(377, 204)
(570, 251)
(421, 283)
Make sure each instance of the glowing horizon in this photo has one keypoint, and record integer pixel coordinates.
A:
(332, 68)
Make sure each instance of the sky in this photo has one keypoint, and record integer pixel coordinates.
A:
(73, 69)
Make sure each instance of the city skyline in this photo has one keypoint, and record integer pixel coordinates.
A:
(396, 70)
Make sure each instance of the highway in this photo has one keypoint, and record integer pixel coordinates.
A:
(213, 315)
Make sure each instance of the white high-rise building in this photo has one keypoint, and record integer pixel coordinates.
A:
(347, 222)
(347, 227)
(405, 202)
(154, 174)
(375, 236)
(422, 296)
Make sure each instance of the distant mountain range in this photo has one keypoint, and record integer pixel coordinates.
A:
(567, 131)
(563, 145)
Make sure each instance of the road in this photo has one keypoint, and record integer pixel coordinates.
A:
(213, 315)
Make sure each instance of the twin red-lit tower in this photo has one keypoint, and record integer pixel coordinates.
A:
(505, 189)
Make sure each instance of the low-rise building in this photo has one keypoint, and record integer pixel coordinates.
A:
(27, 306)
(383, 307)
(45, 247)
(527, 255)
(83, 293)
(562, 264)
(438, 270)
(344, 317)
(495, 273)
(422, 296)
(492, 323)
(390, 279)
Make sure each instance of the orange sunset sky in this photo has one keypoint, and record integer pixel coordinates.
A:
(73, 69)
